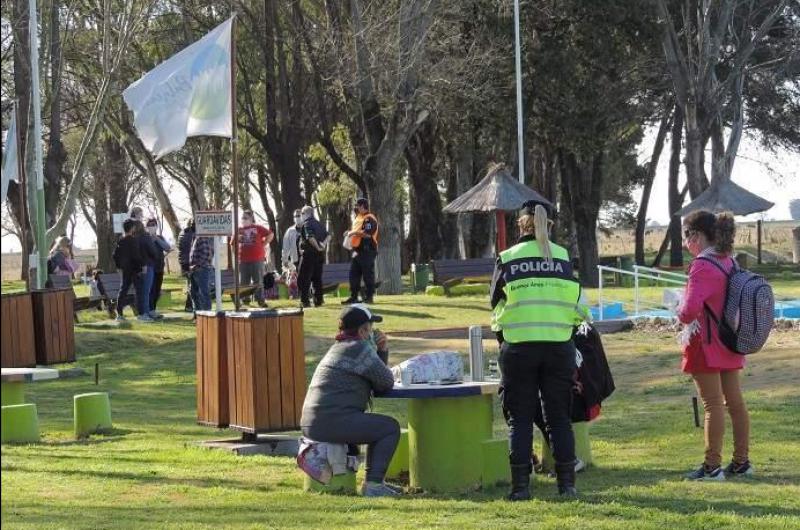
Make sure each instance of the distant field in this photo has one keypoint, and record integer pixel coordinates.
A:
(777, 238)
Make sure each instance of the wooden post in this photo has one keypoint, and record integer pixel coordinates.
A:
(501, 230)
(759, 240)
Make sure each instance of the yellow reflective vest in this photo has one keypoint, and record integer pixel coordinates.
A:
(542, 296)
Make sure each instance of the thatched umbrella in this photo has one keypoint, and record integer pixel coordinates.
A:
(725, 196)
(497, 192)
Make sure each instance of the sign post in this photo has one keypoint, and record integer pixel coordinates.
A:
(217, 224)
(119, 219)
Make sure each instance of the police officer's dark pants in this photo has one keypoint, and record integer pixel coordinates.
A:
(528, 368)
(310, 274)
(362, 266)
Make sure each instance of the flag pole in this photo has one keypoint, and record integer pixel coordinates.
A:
(234, 169)
(520, 136)
(23, 194)
(41, 229)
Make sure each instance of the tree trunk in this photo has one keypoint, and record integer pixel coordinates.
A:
(584, 184)
(383, 201)
(56, 154)
(675, 198)
(450, 222)
(652, 166)
(426, 206)
(796, 244)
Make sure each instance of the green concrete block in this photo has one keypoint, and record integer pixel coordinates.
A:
(339, 485)
(343, 291)
(445, 442)
(399, 463)
(283, 291)
(92, 414)
(19, 424)
(583, 447)
(165, 300)
(12, 393)
(496, 469)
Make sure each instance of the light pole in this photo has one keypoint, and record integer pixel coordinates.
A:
(520, 141)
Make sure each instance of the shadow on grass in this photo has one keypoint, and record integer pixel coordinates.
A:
(403, 314)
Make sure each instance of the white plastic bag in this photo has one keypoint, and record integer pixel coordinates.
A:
(432, 366)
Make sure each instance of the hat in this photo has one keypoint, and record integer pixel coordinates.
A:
(528, 208)
(356, 315)
(361, 201)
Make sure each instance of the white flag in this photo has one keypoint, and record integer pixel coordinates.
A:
(186, 95)
(10, 156)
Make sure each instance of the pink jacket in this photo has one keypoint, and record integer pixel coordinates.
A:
(707, 285)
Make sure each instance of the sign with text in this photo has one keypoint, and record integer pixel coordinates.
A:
(119, 218)
(213, 223)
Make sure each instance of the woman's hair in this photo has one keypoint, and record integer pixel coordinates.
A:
(62, 241)
(719, 229)
(536, 225)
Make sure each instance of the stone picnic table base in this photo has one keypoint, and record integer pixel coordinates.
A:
(12, 381)
(450, 443)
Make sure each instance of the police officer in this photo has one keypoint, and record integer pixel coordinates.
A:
(313, 238)
(364, 242)
(536, 306)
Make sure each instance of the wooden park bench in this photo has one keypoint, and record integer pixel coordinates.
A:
(336, 274)
(80, 303)
(110, 284)
(226, 276)
(450, 272)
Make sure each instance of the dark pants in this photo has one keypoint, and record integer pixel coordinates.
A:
(310, 274)
(201, 295)
(155, 289)
(363, 266)
(380, 433)
(529, 369)
(135, 279)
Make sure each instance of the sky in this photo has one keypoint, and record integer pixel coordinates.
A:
(774, 176)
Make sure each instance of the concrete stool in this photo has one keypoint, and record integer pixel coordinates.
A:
(339, 485)
(283, 291)
(92, 414)
(399, 463)
(20, 424)
(12, 393)
(496, 469)
(583, 447)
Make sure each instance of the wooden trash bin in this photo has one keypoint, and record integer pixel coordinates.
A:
(266, 370)
(53, 325)
(212, 369)
(18, 345)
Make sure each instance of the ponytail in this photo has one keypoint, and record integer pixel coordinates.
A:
(724, 232)
(541, 232)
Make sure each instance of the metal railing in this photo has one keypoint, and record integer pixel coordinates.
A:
(674, 278)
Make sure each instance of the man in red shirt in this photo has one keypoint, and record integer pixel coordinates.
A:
(253, 242)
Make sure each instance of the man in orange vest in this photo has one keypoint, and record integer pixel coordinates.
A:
(364, 241)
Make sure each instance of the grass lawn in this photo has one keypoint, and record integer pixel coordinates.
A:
(148, 474)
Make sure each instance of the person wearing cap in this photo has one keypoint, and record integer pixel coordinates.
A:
(334, 411)
(536, 308)
(162, 248)
(253, 241)
(364, 242)
(313, 238)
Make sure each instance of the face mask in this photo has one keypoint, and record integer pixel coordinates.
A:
(297, 220)
(152, 230)
(246, 221)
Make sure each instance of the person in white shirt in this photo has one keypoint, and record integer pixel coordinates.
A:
(290, 254)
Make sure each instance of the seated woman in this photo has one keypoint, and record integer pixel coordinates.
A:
(346, 377)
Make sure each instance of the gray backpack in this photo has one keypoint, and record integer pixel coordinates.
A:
(749, 311)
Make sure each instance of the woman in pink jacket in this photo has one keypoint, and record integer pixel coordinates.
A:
(716, 370)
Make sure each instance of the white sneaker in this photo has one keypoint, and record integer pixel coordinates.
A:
(145, 318)
(580, 465)
(378, 489)
(155, 316)
(120, 318)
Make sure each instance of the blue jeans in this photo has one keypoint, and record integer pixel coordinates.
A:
(201, 297)
(143, 302)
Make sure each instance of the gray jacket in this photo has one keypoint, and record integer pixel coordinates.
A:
(344, 381)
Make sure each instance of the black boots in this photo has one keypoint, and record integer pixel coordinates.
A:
(565, 478)
(520, 483)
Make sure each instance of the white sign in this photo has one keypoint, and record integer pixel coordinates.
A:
(119, 218)
(86, 260)
(213, 223)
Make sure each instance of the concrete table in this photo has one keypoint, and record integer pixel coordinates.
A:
(448, 429)
(13, 379)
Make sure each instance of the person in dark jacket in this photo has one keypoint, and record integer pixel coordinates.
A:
(313, 238)
(151, 256)
(128, 258)
(184, 249)
(162, 249)
(343, 382)
(363, 238)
